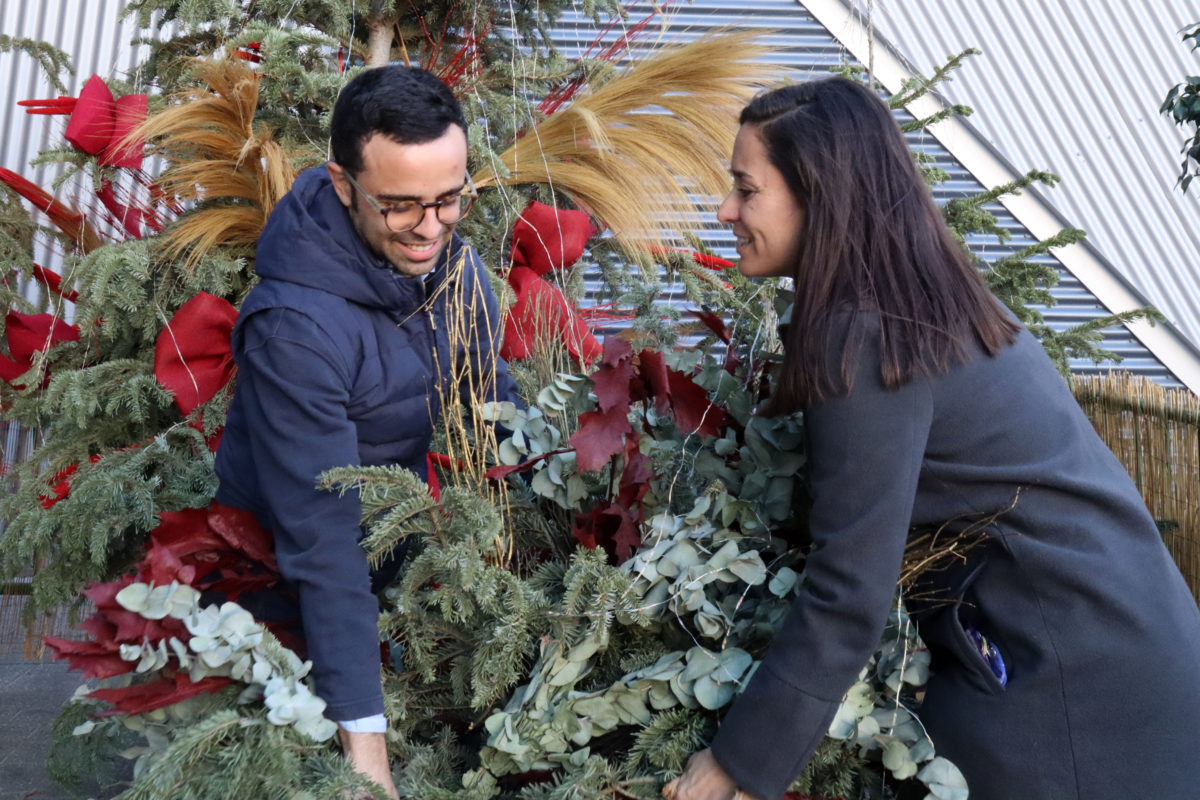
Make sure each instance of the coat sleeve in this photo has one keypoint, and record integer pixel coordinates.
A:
(296, 417)
(865, 452)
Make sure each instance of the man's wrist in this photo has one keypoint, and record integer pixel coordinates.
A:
(376, 723)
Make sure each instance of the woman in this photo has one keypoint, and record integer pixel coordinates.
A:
(1065, 648)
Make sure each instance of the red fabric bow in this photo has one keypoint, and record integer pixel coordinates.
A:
(545, 239)
(99, 122)
(192, 358)
(28, 334)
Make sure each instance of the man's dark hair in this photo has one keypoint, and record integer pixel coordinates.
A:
(873, 241)
(409, 105)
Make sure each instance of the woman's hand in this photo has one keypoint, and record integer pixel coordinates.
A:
(704, 780)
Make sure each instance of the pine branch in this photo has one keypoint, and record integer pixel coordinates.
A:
(918, 86)
(52, 61)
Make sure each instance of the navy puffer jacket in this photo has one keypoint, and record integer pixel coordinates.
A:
(343, 361)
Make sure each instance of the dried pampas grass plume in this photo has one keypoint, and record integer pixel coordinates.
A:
(639, 172)
(232, 169)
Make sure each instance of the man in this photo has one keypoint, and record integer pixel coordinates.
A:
(345, 351)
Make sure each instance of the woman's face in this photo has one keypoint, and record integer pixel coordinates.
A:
(765, 216)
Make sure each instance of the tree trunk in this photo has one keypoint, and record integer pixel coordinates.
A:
(379, 35)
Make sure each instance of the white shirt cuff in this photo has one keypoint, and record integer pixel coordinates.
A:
(373, 724)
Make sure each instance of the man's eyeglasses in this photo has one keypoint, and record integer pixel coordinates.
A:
(407, 214)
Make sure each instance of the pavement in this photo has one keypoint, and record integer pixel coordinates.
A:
(31, 693)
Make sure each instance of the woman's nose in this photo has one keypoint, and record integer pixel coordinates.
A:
(727, 211)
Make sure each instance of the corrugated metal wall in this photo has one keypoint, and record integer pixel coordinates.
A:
(1074, 86)
(97, 40)
(807, 50)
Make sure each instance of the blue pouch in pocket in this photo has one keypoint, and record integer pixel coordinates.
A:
(989, 653)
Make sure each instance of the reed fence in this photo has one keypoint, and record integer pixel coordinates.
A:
(1155, 433)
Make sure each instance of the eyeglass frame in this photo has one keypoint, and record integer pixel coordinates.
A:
(471, 194)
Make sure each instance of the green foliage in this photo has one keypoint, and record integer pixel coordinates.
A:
(53, 62)
(517, 649)
(1182, 105)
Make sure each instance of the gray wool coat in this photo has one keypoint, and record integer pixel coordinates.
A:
(1099, 632)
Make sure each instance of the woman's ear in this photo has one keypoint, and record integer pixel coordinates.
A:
(342, 186)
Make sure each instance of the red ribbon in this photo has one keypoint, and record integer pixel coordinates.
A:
(99, 122)
(132, 219)
(67, 219)
(252, 52)
(53, 282)
(545, 239)
(192, 357)
(26, 335)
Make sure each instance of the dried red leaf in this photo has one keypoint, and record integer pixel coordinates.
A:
(612, 527)
(613, 377)
(93, 659)
(145, 697)
(689, 402)
(241, 530)
(713, 322)
(161, 566)
(601, 435)
(652, 369)
(635, 476)
(104, 595)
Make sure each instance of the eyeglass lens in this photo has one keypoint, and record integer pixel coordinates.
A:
(403, 216)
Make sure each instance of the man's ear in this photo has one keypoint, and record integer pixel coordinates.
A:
(345, 191)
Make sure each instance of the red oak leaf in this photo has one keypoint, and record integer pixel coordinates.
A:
(652, 369)
(93, 659)
(601, 435)
(242, 531)
(689, 402)
(635, 476)
(140, 698)
(713, 322)
(613, 377)
(627, 537)
(612, 527)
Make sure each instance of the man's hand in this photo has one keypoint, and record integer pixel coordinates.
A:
(704, 780)
(368, 753)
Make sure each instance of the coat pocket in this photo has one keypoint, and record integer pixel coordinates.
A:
(949, 628)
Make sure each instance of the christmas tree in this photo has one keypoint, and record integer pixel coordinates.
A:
(584, 595)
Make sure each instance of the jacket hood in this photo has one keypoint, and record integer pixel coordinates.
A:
(310, 240)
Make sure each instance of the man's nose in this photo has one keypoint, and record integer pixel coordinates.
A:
(430, 227)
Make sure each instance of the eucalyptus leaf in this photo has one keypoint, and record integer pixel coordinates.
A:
(567, 674)
(711, 694)
(722, 557)
(944, 780)
(633, 704)
(783, 582)
(542, 484)
(699, 662)
(896, 758)
(508, 453)
(749, 567)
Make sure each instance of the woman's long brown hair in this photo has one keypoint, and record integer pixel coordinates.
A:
(874, 241)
